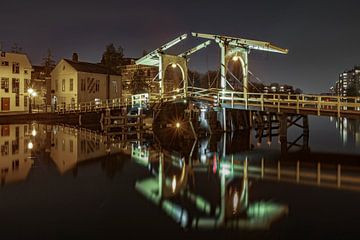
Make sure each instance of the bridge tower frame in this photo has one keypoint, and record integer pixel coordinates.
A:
(160, 59)
(239, 47)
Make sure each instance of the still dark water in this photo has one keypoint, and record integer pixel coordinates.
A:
(59, 182)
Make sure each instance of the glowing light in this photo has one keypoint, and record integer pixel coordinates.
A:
(34, 94)
(174, 97)
(173, 65)
(173, 184)
(235, 201)
(30, 145)
(177, 125)
(177, 90)
(235, 58)
(30, 91)
(33, 132)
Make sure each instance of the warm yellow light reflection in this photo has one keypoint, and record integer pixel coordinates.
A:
(30, 145)
(33, 133)
(177, 125)
(173, 184)
(235, 201)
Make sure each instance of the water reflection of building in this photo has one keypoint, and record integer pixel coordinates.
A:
(71, 146)
(349, 130)
(15, 159)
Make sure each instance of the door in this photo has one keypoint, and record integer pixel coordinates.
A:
(5, 104)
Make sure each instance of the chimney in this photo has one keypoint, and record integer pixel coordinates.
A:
(75, 57)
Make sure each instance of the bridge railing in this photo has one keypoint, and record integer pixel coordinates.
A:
(317, 104)
(297, 102)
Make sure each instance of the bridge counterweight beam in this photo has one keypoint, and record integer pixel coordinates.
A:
(161, 77)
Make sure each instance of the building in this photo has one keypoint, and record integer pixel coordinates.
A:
(15, 74)
(71, 147)
(138, 78)
(15, 152)
(74, 82)
(348, 83)
(41, 83)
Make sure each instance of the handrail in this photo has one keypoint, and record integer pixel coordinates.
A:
(228, 98)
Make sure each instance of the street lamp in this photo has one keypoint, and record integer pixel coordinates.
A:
(32, 94)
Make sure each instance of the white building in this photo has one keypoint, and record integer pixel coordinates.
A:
(15, 163)
(71, 147)
(15, 75)
(74, 82)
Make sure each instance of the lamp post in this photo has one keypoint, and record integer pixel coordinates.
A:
(32, 94)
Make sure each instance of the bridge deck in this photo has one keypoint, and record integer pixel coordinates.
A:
(306, 104)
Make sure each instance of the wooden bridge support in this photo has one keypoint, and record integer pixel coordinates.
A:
(235, 119)
(269, 125)
(283, 132)
(121, 124)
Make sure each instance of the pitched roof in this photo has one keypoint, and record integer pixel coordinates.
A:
(90, 67)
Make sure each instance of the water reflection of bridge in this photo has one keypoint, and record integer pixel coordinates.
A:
(226, 169)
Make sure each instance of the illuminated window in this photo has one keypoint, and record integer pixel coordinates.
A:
(63, 85)
(115, 86)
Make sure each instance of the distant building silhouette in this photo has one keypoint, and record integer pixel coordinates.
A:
(348, 83)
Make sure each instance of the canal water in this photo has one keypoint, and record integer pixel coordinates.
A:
(63, 182)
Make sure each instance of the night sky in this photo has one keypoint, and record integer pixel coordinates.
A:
(323, 37)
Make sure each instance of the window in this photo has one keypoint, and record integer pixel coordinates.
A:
(5, 149)
(5, 130)
(83, 85)
(2, 54)
(63, 85)
(15, 147)
(25, 71)
(26, 85)
(71, 84)
(97, 87)
(16, 67)
(25, 101)
(15, 85)
(17, 100)
(63, 145)
(5, 84)
(71, 143)
(4, 63)
(15, 164)
(115, 86)
(56, 85)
